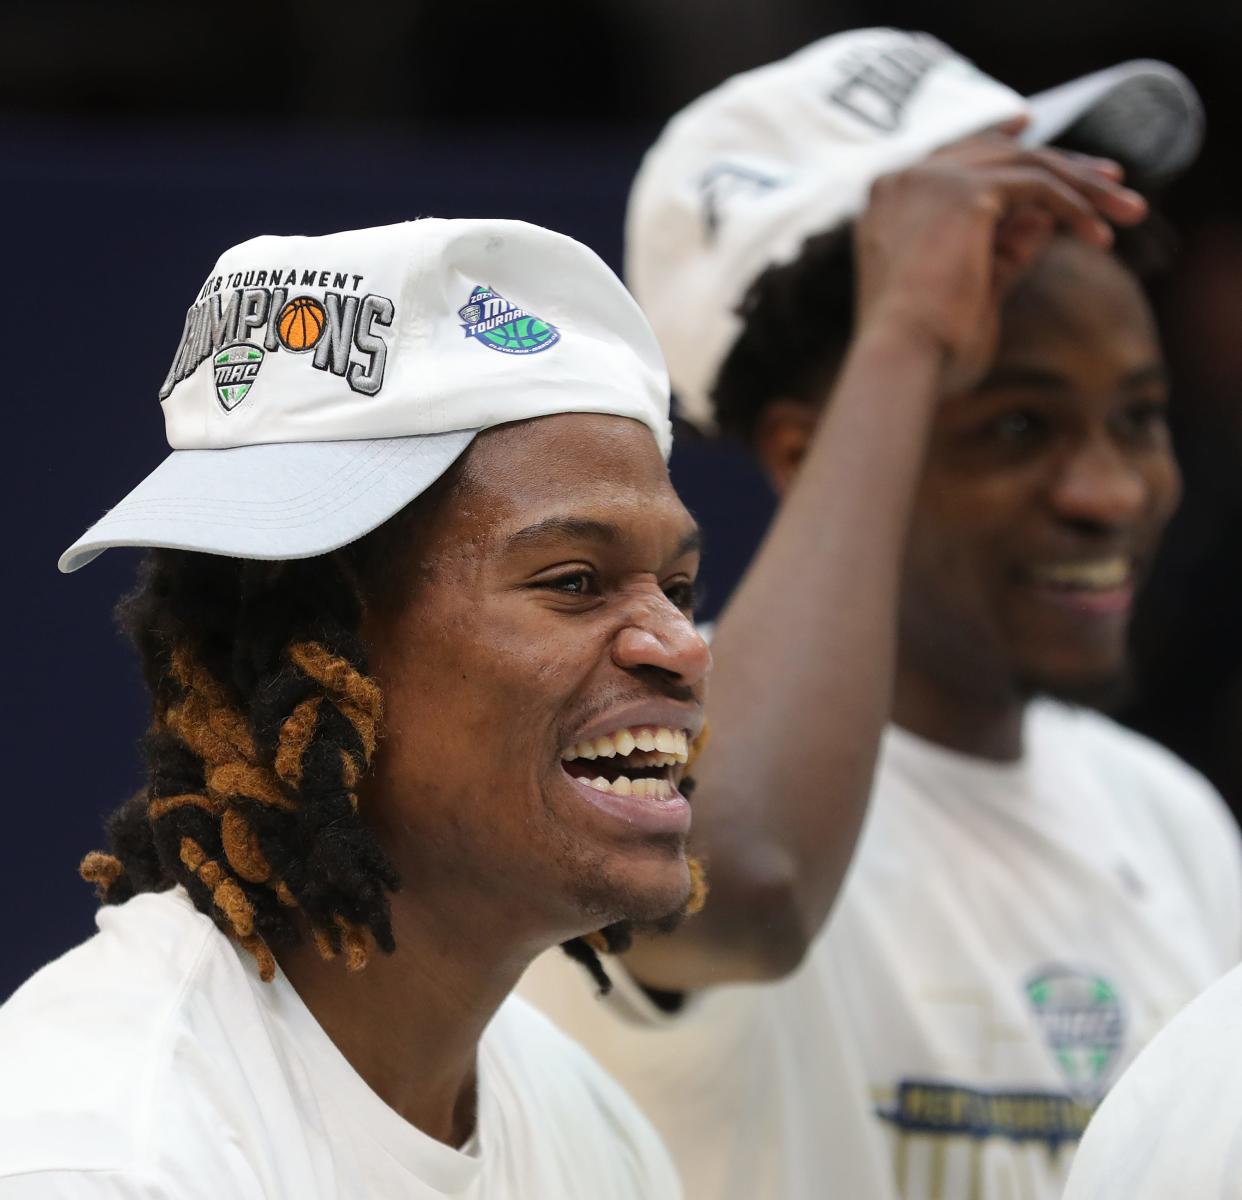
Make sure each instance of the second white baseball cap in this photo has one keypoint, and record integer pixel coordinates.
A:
(322, 383)
(740, 178)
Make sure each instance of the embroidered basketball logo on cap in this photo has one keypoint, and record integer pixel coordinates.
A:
(499, 325)
(236, 368)
(301, 324)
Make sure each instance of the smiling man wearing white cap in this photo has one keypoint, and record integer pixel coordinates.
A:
(974, 470)
(415, 541)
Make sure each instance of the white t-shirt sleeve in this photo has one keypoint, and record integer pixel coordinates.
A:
(1172, 1125)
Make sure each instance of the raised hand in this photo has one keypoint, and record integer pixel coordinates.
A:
(942, 242)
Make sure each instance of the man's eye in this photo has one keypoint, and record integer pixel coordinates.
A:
(1019, 425)
(683, 595)
(1145, 417)
(573, 583)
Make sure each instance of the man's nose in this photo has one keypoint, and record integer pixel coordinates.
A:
(1098, 484)
(660, 635)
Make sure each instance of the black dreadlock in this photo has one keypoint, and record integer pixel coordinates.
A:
(264, 722)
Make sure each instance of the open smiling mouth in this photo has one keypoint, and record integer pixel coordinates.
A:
(1102, 587)
(638, 762)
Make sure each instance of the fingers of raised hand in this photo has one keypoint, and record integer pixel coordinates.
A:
(1097, 179)
(1032, 186)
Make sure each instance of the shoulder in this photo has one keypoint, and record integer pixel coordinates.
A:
(93, 1041)
(542, 1077)
(1182, 1094)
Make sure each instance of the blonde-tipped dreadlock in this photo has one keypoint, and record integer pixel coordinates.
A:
(264, 724)
(235, 779)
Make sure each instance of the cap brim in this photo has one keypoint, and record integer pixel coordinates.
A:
(278, 501)
(1145, 113)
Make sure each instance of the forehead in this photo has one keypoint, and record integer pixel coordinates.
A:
(1078, 296)
(582, 464)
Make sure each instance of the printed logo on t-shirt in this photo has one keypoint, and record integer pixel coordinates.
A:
(1083, 1023)
(952, 1110)
(948, 1139)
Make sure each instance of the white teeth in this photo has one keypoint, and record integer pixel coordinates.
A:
(642, 789)
(1103, 573)
(658, 747)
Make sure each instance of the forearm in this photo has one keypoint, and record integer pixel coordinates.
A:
(802, 684)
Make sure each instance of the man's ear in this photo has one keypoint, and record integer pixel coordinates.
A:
(782, 436)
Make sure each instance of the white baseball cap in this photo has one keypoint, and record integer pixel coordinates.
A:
(740, 179)
(322, 383)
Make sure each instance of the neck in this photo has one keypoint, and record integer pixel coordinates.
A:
(975, 723)
(409, 1023)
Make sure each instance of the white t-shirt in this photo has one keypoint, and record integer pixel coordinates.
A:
(150, 1063)
(1172, 1126)
(1008, 938)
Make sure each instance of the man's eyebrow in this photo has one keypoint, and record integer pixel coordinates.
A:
(551, 528)
(585, 529)
(1022, 377)
(692, 543)
(1041, 379)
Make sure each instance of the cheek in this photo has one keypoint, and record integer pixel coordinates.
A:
(474, 699)
(955, 555)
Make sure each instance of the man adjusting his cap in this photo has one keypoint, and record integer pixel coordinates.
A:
(919, 322)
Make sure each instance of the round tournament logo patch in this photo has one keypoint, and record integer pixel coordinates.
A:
(491, 319)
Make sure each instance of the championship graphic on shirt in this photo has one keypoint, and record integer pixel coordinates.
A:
(1082, 1022)
(952, 1135)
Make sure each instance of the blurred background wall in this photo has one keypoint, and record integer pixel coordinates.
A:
(138, 139)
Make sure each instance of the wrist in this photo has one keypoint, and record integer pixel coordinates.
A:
(895, 330)
(902, 357)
